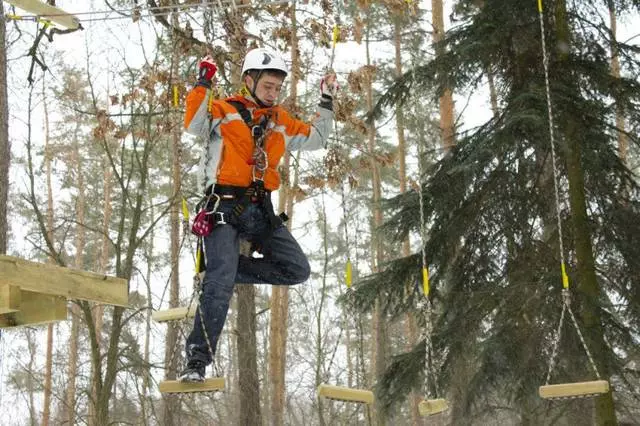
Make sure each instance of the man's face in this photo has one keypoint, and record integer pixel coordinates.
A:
(268, 89)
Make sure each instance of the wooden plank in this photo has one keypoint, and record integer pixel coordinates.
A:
(66, 282)
(211, 384)
(174, 314)
(574, 390)
(9, 298)
(47, 12)
(429, 407)
(342, 393)
(36, 308)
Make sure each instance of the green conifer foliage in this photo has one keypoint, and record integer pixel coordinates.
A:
(489, 207)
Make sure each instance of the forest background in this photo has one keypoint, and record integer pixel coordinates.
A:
(455, 90)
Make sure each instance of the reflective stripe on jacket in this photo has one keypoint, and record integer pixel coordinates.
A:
(227, 156)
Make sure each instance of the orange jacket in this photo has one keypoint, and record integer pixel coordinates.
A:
(227, 156)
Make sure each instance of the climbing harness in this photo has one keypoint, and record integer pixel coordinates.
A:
(572, 390)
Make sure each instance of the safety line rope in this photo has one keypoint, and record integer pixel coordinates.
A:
(566, 296)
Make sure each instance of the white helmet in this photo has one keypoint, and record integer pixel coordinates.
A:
(263, 59)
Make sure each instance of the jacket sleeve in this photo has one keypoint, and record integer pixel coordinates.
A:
(196, 116)
(299, 135)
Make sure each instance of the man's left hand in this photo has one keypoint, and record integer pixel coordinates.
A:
(329, 85)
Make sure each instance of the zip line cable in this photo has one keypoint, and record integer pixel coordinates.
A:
(135, 12)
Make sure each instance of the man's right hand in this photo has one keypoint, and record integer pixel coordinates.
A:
(207, 69)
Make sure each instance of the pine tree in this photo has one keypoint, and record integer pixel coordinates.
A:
(493, 246)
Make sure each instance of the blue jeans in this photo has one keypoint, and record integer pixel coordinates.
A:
(283, 264)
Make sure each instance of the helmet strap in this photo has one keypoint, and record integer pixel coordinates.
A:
(252, 90)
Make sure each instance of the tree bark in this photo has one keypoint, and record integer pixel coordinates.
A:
(378, 360)
(250, 412)
(46, 413)
(5, 145)
(278, 326)
(410, 322)
(587, 286)
(79, 263)
(446, 99)
(623, 141)
(249, 382)
(172, 403)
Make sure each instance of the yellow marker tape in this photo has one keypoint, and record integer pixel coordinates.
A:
(565, 277)
(185, 209)
(425, 281)
(15, 17)
(348, 273)
(45, 22)
(336, 33)
(198, 256)
(175, 96)
(540, 6)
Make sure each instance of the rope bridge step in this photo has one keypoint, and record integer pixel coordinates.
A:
(574, 390)
(211, 384)
(342, 393)
(174, 314)
(429, 407)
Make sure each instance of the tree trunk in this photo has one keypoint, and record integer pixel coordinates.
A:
(97, 310)
(446, 99)
(410, 322)
(145, 405)
(172, 403)
(587, 284)
(5, 145)
(249, 412)
(75, 311)
(46, 413)
(249, 382)
(623, 141)
(323, 294)
(378, 360)
(278, 329)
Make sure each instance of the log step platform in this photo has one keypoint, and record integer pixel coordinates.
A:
(174, 314)
(342, 393)
(212, 384)
(574, 390)
(430, 407)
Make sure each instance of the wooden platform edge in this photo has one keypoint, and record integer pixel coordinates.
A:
(10, 297)
(66, 282)
(48, 12)
(577, 389)
(36, 308)
(343, 393)
(429, 407)
(211, 384)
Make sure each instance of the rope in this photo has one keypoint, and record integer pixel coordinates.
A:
(545, 61)
(566, 296)
(425, 304)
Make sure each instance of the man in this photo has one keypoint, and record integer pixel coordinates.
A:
(246, 135)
